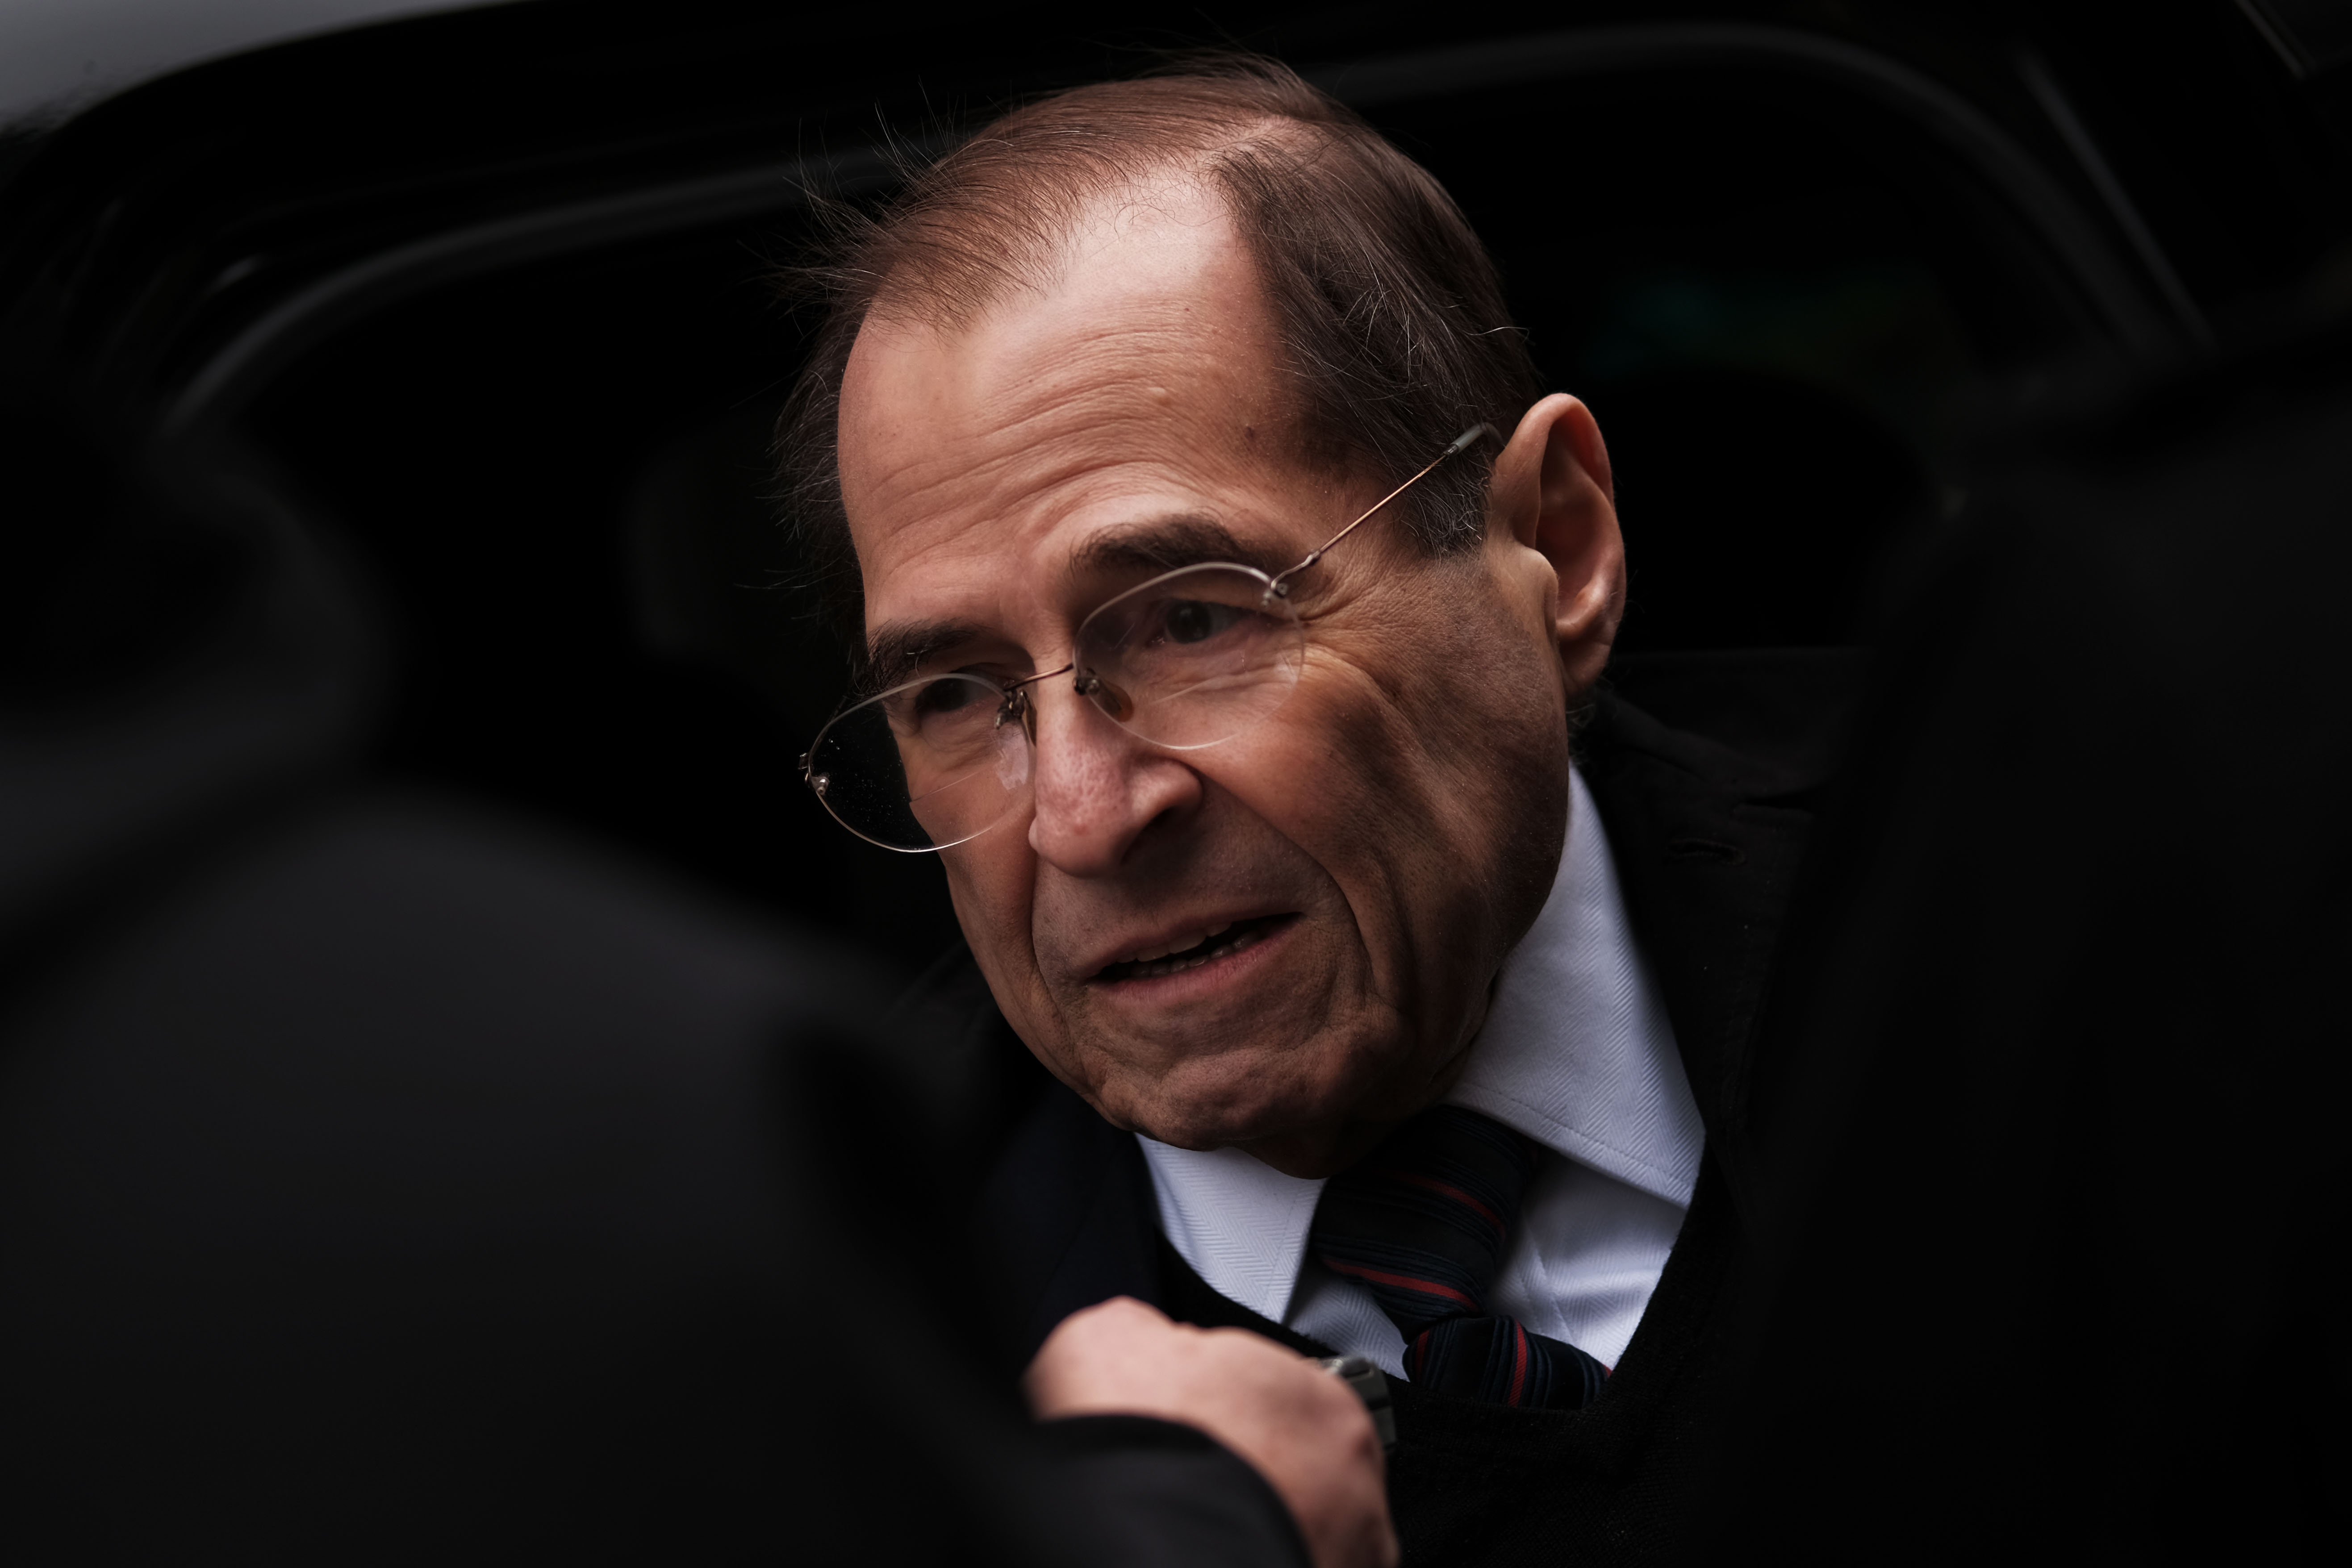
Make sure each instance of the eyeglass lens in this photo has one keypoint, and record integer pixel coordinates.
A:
(922, 766)
(1184, 661)
(1191, 658)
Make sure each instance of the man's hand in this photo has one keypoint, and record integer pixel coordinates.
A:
(1303, 1429)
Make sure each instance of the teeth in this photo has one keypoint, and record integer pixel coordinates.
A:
(1150, 968)
(1177, 945)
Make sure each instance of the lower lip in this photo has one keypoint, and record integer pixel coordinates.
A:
(1200, 979)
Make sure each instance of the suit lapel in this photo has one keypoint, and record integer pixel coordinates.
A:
(1061, 1212)
(1708, 840)
(1068, 1216)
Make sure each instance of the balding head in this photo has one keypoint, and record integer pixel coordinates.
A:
(1389, 317)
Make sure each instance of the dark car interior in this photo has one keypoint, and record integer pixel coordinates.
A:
(487, 298)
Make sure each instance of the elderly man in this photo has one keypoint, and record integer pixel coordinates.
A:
(1232, 614)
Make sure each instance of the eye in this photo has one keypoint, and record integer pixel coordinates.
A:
(947, 696)
(1196, 620)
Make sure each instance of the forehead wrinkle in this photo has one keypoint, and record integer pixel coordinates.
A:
(1102, 378)
(1167, 544)
(1077, 427)
(1101, 389)
(1038, 484)
(1042, 501)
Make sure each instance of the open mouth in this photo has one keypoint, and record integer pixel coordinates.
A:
(1222, 943)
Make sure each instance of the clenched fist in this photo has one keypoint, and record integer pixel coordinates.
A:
(1303, 1429)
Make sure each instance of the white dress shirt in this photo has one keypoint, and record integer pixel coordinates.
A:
(1576, 1053)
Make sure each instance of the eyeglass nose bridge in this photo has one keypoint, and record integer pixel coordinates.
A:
(1019, 708)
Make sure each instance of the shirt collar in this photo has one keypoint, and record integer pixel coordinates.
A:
(1576, 1053)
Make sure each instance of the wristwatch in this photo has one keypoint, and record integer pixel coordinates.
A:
(1371, 1386)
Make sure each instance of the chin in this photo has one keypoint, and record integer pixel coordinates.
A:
(1227, 1102)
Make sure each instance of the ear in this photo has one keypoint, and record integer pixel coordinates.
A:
(1552, 489)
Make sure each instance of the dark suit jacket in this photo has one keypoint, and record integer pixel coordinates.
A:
(2050, 1120)
(1707, 818)
(384, 1179)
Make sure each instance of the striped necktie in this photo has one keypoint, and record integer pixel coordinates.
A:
(1420, 1223)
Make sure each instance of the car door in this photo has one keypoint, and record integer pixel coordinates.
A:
(478, 308)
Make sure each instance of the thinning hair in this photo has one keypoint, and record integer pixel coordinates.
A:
(1393, 328)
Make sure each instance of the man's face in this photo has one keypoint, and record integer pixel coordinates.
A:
(1284, 941)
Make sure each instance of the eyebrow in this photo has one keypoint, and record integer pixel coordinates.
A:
(898, 646)
(1167, 544)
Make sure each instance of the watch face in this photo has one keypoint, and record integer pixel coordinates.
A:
(1371, 1386)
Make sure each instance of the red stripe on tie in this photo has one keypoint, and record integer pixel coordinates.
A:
(1519, 1364)
(1401, 1281)
(1455, 1193)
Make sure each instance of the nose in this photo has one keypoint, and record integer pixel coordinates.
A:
(1098, 789)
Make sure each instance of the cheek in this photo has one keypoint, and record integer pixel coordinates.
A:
(1502, 808)
(992, 881)
(1342, 774)
(1430, 762)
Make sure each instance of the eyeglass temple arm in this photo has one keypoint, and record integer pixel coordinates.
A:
(1281, 585)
